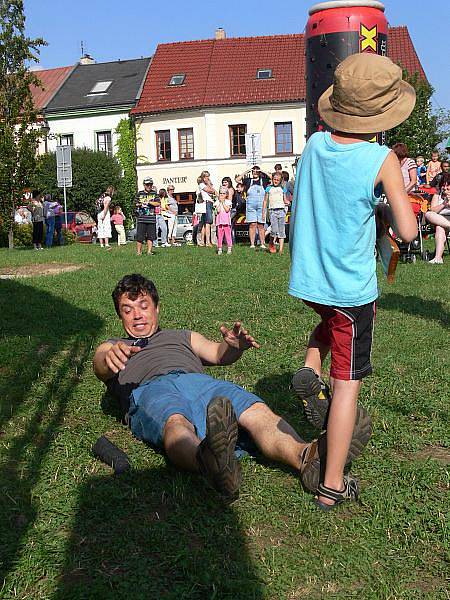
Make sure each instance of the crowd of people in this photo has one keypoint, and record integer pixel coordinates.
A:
(432, 179)
(265, 198)
(41, 210)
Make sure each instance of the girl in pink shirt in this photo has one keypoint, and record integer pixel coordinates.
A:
(223, 219)
(118, 218)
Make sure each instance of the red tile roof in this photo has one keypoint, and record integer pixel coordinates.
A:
(51, 80)
(223, 72)
(401, 50)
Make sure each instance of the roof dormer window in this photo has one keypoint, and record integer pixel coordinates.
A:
(177, 79)
(264, 74)
(101, 87)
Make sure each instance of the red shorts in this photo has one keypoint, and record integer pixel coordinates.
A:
(348, 331)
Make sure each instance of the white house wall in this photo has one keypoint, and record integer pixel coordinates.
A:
(212, 142)
(84, 129)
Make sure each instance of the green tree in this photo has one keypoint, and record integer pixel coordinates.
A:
(18, 136)
(126, 155)
(92, 173)
(420, 132)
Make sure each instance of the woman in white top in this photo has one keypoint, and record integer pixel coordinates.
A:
(206, 193)
(408, 167)
(104, 217)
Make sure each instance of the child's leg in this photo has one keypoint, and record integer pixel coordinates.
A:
(318, 348)
(220, 233)
(341, 422)
(227, 230)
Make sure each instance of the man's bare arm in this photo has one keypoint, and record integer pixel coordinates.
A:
(110, 358)
(228, 351)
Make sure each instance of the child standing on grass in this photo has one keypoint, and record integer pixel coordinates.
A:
(332, 246)
(118, 219)
(275, 198)
(223, 219)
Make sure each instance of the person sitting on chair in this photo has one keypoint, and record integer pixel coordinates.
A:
(440, 208)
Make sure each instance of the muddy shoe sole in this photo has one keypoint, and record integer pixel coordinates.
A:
(315, 456)
(215, 455)
(315, 395)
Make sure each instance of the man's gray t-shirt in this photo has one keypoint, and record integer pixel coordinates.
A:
(167, 350)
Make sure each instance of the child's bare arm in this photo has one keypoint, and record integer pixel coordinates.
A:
(391, 178)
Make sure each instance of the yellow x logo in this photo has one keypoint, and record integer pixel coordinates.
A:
(368, 38)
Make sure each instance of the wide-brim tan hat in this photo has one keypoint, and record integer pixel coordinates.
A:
(368, 95)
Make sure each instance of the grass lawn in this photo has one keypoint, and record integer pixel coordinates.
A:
(70, 529)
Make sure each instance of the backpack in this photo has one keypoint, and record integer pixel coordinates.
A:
(99, 204)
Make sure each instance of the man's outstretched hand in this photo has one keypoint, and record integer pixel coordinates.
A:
(238, 337)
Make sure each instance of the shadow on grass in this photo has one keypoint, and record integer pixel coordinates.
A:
(156, 534)
(417, 307)
(46, 342)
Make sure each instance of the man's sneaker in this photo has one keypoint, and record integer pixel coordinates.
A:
(315, 395)
(314, 457)
(215, 454)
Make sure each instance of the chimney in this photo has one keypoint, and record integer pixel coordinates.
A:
(87, 59)
(220, 34)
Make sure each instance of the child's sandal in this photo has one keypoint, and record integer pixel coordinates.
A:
(350, 492)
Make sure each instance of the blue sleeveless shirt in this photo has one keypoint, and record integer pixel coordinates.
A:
(332, 237)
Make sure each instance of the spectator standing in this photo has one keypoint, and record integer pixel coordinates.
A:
(433, 167)
(421, 170)
(255, 186)
(145, 209)
(37, 218)
(104, 217)
(407, 165)
(161, 218)
(275, 199)
(206, 193)
(118, 218)
(437, 181)
(49, 215)
(58, 224)
(172, 215)
(440, 209)
(223, 207)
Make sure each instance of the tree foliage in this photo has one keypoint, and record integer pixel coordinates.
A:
(18, 136)
(126, 155)
(421, 131)
(92, 173)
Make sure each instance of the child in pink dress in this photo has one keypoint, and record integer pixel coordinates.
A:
(223, 219)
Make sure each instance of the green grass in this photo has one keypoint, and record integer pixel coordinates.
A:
(69, 529)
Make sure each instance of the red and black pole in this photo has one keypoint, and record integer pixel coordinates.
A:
(334, 31)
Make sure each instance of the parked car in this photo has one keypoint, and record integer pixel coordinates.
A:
(183, 232)
(82, 224)
(241, 227)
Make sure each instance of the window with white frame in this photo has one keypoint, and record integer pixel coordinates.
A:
(101, 87)
(104, 142)
(186, 143)
(264, 74)
(177, 79)
(283, 138)
(163, 148)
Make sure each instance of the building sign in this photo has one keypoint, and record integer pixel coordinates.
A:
(173, 180)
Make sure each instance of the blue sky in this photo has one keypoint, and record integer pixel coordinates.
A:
(112, 29)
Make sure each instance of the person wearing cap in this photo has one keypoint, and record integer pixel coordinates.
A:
(145, 209)
(332, 243)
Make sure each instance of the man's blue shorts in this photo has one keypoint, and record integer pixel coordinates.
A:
(187, 394)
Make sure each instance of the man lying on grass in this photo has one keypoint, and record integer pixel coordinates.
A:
(158, 377)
